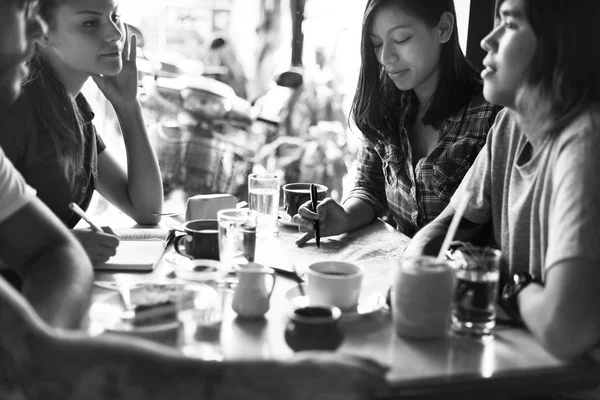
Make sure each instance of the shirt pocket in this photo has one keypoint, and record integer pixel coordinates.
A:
(393, 164)
(449, 171)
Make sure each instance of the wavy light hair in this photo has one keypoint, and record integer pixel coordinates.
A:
(563, 78)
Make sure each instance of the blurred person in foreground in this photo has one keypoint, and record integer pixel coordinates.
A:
(420, 108)
(35, 246)
(38, 361)
(536, 179)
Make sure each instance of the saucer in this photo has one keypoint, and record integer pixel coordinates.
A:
(199, 270)
(365, 307)
(284, 219)
(174, 223)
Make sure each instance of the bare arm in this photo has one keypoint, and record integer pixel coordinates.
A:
(359, 214)
(57, 274)
(38, 362)
(137, 192)
(562, 314)
(429, 239)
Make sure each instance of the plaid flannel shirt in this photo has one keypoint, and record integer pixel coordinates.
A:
(414, 196)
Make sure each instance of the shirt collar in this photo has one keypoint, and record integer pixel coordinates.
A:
(84, 107)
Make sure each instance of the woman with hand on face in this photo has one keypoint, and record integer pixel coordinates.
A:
(50, 137)
(420, 108)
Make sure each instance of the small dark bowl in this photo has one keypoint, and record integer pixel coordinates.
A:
(314, 328)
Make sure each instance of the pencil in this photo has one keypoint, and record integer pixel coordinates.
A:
(77, 210)
(313, 200)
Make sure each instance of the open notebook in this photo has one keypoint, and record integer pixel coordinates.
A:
(139, 250)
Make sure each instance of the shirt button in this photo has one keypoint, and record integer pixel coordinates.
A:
(83, 189)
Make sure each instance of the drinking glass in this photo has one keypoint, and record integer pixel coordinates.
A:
(237, 238)
(200, 314)
(263, 197)
(477, 272)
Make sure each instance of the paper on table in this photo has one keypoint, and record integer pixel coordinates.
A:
(142, 234)
(134, 255)
(138, 250)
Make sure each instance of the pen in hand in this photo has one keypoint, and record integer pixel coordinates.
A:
(313, 201)
(77, 210)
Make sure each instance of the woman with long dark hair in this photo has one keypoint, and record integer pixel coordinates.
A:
(420, 108)
(50, 136)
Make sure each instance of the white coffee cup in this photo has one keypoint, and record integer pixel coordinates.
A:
(335, 283)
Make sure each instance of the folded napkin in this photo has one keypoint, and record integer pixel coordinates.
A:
(205, 206)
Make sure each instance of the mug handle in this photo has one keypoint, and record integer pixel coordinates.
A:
(272, 273)
(176, 246)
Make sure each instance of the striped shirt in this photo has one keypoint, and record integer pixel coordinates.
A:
(414, 196)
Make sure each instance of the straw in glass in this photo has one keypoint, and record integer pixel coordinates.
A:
(462, 205)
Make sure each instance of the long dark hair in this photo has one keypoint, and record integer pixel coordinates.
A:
(563, 78)
(379, 107)
(57, 111)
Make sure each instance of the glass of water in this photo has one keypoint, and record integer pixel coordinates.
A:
(263, 196)
(200, 314)
(477, 271)
(237, 239)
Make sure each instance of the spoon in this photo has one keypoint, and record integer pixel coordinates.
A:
(298, 281)
(129, 313)
(168, 214)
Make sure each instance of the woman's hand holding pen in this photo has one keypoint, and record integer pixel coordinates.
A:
(99, 246)
(332, 217)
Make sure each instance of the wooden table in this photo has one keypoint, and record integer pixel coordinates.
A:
(513, 364)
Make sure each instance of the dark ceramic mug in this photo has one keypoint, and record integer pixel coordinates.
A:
(201, 239)
(296, 194)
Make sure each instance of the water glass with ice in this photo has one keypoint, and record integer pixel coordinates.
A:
(263, 197)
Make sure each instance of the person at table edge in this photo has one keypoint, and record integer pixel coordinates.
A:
(35, 246)
(537, 177)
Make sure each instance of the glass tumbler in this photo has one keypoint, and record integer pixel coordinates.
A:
(200, 314)
(477, 274)
(237, 238)
(263, 197)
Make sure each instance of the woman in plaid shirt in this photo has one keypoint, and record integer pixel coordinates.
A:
(420, 108)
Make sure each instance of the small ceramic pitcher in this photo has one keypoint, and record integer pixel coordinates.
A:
(252, 294)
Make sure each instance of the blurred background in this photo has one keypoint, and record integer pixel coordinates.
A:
(230, 87)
